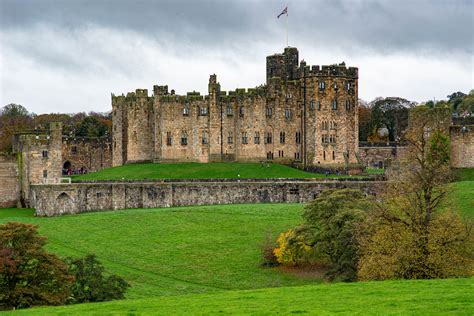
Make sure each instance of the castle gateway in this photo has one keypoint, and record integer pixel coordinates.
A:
(303, 113)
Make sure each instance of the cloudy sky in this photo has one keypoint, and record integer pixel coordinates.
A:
(69, 55)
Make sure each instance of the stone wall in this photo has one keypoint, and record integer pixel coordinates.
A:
(379, 155)
(9, 185)
(91, 154)
(59, 199)
(462, 146)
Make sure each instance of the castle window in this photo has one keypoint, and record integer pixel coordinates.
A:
(186, 111)
(334, 104)
(268, 111)
(45, 173)
(184, 139)
(319, 105)
(169, 139)
(311, 105)
(282, 137)
(297, 156)
(203, 111)
(333, 155)
(256, 139)
(335, 86)
(244, 138)
(288, 114)
(229, 110)
(269, 155)
(45, 154)
(230, 139)
(204, 138)
(348, 105)
(322, 85)
(241, 111)
(324, 155)
(298, 137)
(332, 139)
(348, 85)
(268, 138)
(281, 154)
(73, 150)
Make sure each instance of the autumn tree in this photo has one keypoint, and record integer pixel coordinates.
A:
(409, 235)
(29, 275)
(13, 118)
(391, 113)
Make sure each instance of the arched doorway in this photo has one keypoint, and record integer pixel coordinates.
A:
(66, 167)
(64, 204)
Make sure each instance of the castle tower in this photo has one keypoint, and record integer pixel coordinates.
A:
(118, 130)
(215, 120)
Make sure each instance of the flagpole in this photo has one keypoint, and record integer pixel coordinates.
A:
(287, 30)
(286, 25)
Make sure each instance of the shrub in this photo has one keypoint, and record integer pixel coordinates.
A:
(333, 218)
(268, 254)
(91, 285)
(393, 251)
(292, 247)
(30, 276)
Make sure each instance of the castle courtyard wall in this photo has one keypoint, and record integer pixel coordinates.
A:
(9, 184)
(60, 199)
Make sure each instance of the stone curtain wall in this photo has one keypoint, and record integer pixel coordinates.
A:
(9, 185)
(59, 199)
(92, 154)
(462, 146)
(303, 113)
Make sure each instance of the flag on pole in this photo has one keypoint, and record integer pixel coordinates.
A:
(285, 11)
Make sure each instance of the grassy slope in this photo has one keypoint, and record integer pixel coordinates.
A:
(178, 250)
(428, 297)
(199, 171)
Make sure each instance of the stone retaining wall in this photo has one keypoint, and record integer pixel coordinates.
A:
(9, 185)
(58, 199)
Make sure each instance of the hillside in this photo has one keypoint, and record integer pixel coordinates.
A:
(427, 297)
(217, 170)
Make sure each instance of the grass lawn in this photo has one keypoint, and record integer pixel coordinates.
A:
(462, 197)
(428, 297)
(375, 171)
(216, 170)
(15, 212)
(464, 174)
(182, 250)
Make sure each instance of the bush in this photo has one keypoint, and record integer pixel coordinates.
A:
(333, 218)
(91, 285)
(293, 248)
(393, 251)
(30, 276)
(268, 254)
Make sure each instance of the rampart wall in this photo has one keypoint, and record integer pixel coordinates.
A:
(59, 199)
(9, 184)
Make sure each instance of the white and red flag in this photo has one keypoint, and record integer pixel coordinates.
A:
(285, 11)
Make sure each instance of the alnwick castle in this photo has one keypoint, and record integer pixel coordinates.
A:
(303, 115)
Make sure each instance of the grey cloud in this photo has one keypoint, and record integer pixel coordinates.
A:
(379, 25)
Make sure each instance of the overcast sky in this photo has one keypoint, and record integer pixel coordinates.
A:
(68, 56)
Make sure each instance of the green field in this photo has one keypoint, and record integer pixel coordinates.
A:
(428, 297)
(206, 260)
(216, 170)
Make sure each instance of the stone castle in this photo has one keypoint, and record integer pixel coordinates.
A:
(304, 114)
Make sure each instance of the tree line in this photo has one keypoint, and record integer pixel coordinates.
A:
(385, 119)
(15, 118)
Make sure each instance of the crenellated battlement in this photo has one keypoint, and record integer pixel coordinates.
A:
(279, 120)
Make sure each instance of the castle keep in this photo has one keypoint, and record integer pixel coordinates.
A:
(304, 114)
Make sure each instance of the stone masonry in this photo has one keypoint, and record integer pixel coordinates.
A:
(305, 114)
(9, 187)
(59, 199)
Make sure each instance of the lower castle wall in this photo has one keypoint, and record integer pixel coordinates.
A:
(59, 199)
(9, 184)
(462, 146)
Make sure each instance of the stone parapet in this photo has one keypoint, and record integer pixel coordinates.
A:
(60, 199)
